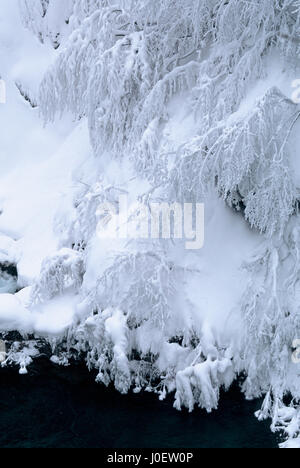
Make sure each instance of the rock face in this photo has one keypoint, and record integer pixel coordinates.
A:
(8, 278)
(8, 265)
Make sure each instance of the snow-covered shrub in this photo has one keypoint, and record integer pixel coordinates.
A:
(135, 282)
(59, 273)
(107, 336)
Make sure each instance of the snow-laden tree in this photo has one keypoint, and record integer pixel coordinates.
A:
(272, 322)
(249, 159)
(120, 65)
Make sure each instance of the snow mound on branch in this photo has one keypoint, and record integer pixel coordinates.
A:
(116, 329)
(52, 319)
(13, 316)
(200, 384)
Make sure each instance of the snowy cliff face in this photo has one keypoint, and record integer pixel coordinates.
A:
(184, 101)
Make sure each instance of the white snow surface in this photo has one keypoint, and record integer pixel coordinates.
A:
(36, 178)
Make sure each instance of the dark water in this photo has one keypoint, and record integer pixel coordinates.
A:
(57, 408)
